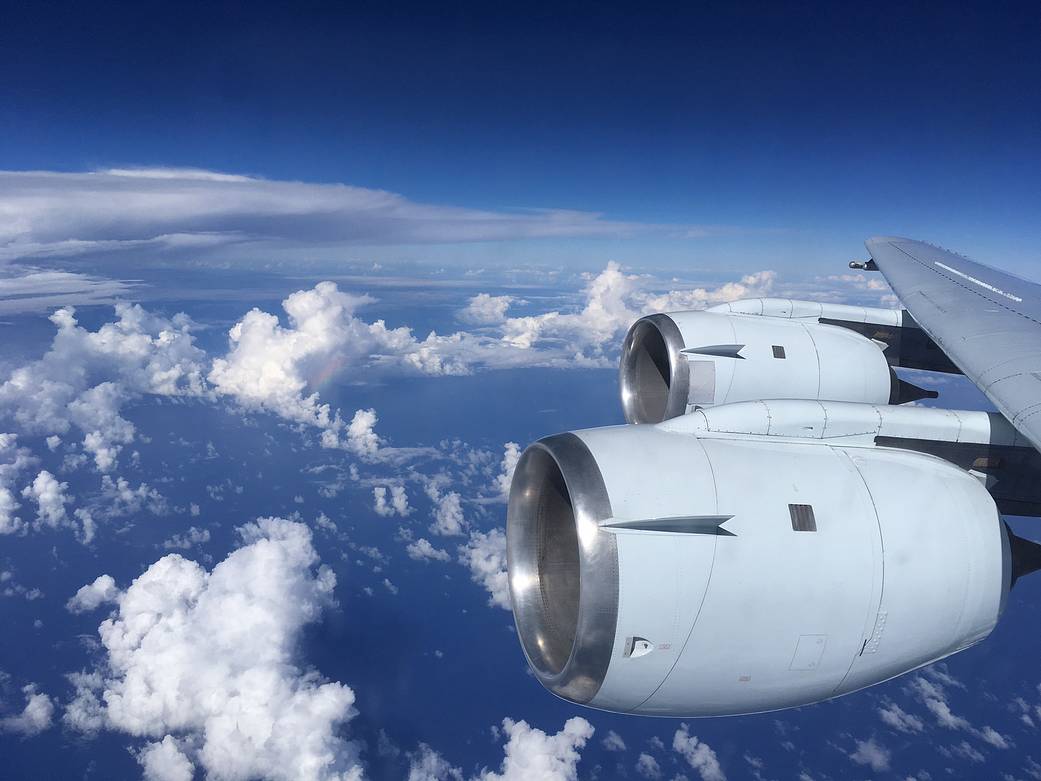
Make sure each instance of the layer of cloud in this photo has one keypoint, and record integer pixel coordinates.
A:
(753, 285)
(208, 659)
(25, 289)
(84, 382)
(863, 286)
(613, 301)
(50, 214)
(278, 367)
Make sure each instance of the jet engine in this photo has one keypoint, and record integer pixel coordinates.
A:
(674, 362)
(673, 570)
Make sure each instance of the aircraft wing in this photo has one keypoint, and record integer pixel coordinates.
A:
(988, 322)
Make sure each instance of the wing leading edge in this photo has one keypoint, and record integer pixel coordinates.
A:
(987, 322)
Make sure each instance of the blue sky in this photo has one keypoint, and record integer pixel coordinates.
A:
(377, 250)
(809, 126)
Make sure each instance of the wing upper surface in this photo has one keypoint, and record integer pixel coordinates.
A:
(988, 322)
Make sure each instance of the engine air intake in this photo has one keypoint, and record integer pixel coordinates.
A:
(653, 375)
(563, 568)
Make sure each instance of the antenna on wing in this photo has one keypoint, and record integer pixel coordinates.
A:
(863, 265)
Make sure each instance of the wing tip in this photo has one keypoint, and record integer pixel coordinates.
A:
(879, 242)
(884, 239)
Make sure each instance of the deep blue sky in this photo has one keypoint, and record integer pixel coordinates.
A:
(815, 118)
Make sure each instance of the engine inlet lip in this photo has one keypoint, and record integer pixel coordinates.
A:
(679, 371)
(580, 677)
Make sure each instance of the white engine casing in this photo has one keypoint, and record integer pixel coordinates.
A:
(674, 362)
(795, 309)
(758, 616)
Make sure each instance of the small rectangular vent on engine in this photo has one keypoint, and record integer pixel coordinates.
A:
(778, 351)
(802, 518)
(702, 382)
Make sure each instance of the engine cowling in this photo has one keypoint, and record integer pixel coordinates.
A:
(673, 362)
(660, 573)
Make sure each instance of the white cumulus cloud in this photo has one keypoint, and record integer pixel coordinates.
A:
(269, 366)
(533, 755)
(189, 539)
(14, 460)
(395, 504)
(425, 764)
(275, 367)
(931, 692)
(103, 590)
(86, 377)
(871, 753)
(209, 659)
(994, 738)
(50, 498)
(510, 456)
(422, 550)
(699, 755)
(118, 498)
(34, 718)
(447, 512)
(485, 556)
(164, 761)
(280, 366)
(612, 741)
(899, 719)
(485, 309)
(613, 301)
(648, 767)
(756, 285)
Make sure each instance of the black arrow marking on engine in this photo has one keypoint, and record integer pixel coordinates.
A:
(678, 524)
(718, 350)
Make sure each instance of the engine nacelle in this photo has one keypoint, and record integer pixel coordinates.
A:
(661, 573)
(674, 362)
